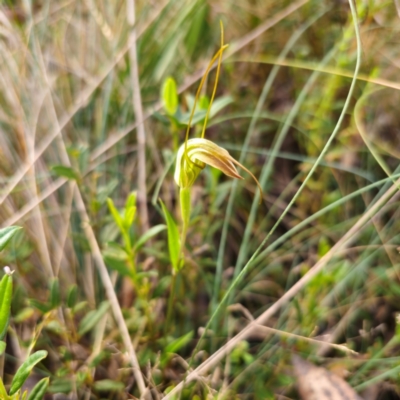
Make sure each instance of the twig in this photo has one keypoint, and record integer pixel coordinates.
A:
(138, 110)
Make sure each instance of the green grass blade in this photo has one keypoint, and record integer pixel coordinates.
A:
(6, 234)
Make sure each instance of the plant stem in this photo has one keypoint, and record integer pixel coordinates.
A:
(170, 302)
(184, 195)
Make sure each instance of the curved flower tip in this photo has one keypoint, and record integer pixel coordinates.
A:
(196, 153)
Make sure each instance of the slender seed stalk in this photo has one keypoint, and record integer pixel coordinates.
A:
(196, 99)
(222, 47)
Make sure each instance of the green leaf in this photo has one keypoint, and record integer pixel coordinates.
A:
(117, 265)
(72, 296)
(115, 213)
(177, 344)
(200, 113)
(197, 118)
(42, 307)
(93, 317)
(6, 234)
(38, 392)
(131, 201)
(174, 346)
(204, 102)
(153, 231)
(24, 315)
(55, 293)
(220, 104)
(174, 243)
(170, 96)
(78, 307)
(5, 303)
(65, 172)
(106, 190)
(108, 385)
(2, 347)
(25, 369)
(130, 211)
(3, 392)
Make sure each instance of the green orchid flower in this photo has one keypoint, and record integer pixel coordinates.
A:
(195, 154)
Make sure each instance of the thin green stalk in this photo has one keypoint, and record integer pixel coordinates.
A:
(170, 302)
(222, 47)
(131, 256)
(184, 197)
(211, 63)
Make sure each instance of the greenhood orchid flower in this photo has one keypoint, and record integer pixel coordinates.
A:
(195, 154)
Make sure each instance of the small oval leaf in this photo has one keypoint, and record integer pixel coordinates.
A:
(93, 317)
(170, 96)
(55, 297)
(25, 369)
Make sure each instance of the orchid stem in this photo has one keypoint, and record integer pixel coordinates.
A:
(170, 302)
(184, 195)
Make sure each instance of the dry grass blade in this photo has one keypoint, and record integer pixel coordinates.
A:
(80, 102)
(139, 117)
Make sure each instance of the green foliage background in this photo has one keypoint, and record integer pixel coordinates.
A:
(69, 166)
